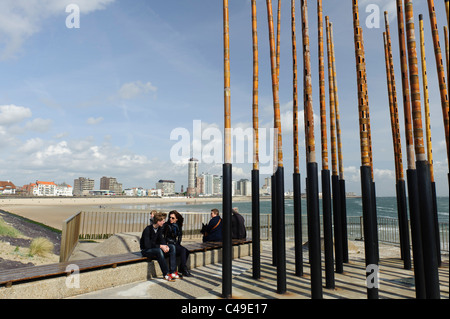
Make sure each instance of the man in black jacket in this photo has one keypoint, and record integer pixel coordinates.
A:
(154, 245)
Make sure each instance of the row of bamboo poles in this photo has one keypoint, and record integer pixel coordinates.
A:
(420, 174)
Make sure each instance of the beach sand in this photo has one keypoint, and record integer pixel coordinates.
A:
(54, 211)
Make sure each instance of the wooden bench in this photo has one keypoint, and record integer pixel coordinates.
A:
(8, 277)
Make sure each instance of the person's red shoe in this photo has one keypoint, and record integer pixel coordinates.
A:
(168, 277)
(175, 275)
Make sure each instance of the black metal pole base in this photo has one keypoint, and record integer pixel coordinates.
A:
(416, 237)
(298, 225)
(428, 231)
(256, 236)
(314, 231)
(226, 231)
(274, 219)
(344, 220)
(327, 230)
(369, 233)
(281, 238)
(337, 224)
(403, 224)
(436, 223)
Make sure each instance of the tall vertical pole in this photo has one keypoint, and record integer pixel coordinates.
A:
(334, 163)
(411, 173)
(423, 170)
(312, 173)
(326, 188)
(342, 197)
(441, 73)
(227, 166)
(428, 136)
(256, 250)
(279, 175)
(400, 182)
(296, 175)
(366, 175)
(447, 52)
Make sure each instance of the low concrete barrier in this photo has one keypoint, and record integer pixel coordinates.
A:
(89, 281)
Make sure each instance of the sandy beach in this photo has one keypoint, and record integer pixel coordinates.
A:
(54, 211)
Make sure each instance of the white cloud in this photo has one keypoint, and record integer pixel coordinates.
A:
(20, 19)
(134, 89)
(94, 121)
(12, 114)
(39, 125)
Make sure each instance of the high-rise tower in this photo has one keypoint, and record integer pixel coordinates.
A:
(192, 177)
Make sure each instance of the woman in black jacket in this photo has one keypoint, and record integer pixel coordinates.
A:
(173, 233)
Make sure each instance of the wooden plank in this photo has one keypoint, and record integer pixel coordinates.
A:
(7, 277)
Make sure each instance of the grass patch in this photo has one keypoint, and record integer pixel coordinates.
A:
(41, 247)
(7, 230)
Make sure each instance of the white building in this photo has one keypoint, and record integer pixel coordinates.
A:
(64, 190)
(167, 187)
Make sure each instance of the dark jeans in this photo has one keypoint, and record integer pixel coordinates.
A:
(160, 256)
(184, 254)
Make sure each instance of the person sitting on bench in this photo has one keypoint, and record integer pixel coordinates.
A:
(213, 231)
(153, 245)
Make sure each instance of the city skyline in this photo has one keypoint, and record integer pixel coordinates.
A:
(104, 99)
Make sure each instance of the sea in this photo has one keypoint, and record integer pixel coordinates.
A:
(386, 207)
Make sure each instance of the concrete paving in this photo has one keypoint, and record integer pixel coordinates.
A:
(206, 282)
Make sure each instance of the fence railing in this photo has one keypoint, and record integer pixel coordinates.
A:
(102, 225)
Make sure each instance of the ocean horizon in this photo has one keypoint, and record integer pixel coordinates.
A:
(386, 207)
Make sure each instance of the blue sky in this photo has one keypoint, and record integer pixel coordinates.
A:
(103, 99)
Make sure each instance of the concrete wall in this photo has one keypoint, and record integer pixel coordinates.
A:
(88, 281)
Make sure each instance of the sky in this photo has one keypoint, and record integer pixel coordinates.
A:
(137, 89)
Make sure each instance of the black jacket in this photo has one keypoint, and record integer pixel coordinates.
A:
(173, 233)
(213, 231)
(150, 239)
(238, 230)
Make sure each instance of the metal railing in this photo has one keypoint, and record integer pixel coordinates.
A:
(102, 225)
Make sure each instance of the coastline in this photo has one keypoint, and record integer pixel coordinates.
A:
(54, 211)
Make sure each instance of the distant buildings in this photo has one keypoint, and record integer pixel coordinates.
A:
(7, 188)
(166, 186)
(192, 177)
(42, 188)
(82, 186)
(111, 184)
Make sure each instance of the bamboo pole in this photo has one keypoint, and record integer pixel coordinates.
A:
(295, 89)
(296, 175)
(256, 250)
(278, 177)
(342, 197)
(405, 88)
(366, 175)
(423, 171)
(331, 95)
(255, 87)
(396, 127)
(441, 73)
(309, 115)
(447, 53)
(400, 183)
(426, 99)
(278, 39)
(227, 168)
(326, 188)
(413, 191)
(335, 177)
(323, 110)
(428, 135)
(227, 95)
(312, 173)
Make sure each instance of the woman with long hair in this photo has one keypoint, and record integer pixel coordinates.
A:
(173, 233)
